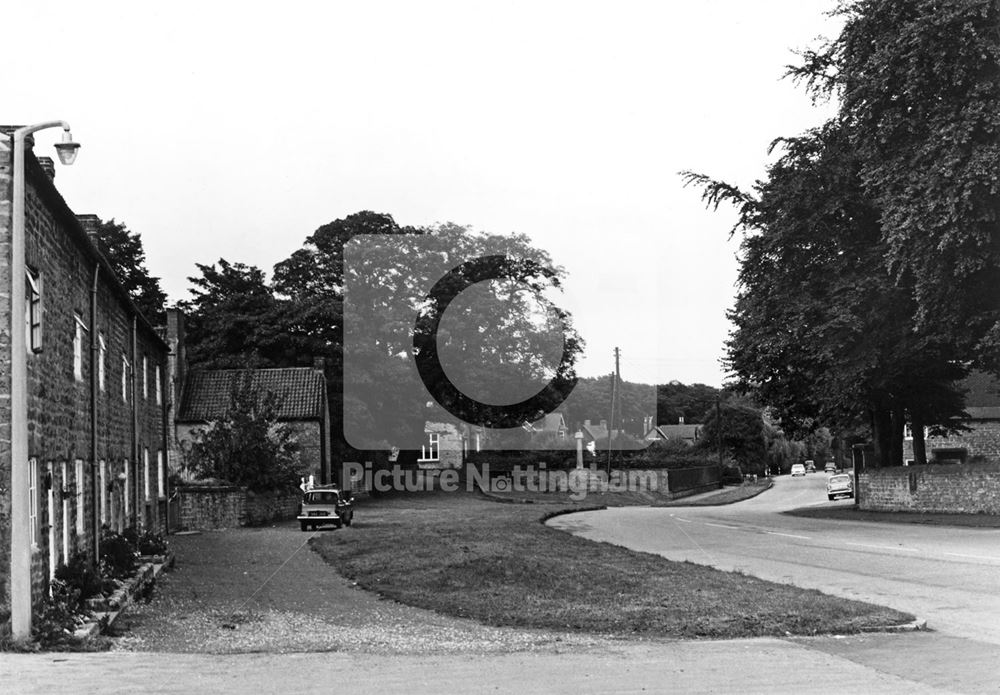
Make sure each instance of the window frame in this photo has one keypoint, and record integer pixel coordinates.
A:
(79, 328)
(33, 310)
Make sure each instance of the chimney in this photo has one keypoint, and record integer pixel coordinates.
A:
(586, 423)
(90, 223)
(48, 166)
(604, 424)
(680, 420)
(319, 363)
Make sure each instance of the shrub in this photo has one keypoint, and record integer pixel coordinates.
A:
(118, 556)
(150, 543)
(57, 616)
(81, 578)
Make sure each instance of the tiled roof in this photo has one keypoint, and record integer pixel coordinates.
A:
(301, 391)
(680, 431)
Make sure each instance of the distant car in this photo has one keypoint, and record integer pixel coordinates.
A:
(326, 505)
(839, 485)
(830, 467)
(810, 466)
(798, 469)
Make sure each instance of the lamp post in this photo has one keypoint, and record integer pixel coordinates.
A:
(20, 537)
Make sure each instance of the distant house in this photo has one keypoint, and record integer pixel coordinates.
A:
(301, 392)
(598, 432)
(689, 434)
(982, 440)
(552, 424)
(446, 445)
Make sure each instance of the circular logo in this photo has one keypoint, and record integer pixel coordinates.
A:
(425, 347)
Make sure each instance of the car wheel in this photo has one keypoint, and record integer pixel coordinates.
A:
(304, 525)
(349, 519)
(832, 497)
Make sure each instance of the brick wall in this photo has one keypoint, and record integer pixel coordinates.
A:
(63, 260)
(965, 488)
(205, 507)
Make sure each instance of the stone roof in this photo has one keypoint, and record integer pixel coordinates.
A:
(207, 393)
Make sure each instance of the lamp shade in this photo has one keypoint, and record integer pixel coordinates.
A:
(67, 149)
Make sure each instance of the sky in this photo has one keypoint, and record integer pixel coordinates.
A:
(234, 130)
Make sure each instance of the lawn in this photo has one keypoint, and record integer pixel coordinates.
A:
(462, 555)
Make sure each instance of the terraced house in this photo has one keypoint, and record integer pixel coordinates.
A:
(82, 403)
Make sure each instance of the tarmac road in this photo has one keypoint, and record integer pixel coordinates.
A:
(946, 575)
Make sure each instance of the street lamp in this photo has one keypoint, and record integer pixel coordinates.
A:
(20, 540)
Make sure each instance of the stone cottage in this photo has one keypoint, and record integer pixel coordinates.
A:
(301, 391)
(92, 375)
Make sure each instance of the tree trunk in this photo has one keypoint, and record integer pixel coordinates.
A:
(881, 436)
(897, 422)
(919, 443)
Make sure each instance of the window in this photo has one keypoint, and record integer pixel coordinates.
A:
(125, 368)
(104, 491)
(33, 311)
(64, 486)
(145, 473)
(127, 492)
(431, 452)
(79, 328)
(145, 377)
(159, 385)
(102, 362)
(33, 502)
(160, 490)
(80, 489)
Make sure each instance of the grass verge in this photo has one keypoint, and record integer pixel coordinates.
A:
(929, 518)
(461, 555)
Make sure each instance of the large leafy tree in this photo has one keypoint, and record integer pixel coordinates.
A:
(234, 320)
(873, 252)
(123, 250)
(824, 331)
(919, 87)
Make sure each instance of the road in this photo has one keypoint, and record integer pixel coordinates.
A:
(945, 575)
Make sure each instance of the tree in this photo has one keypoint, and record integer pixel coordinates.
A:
(123, 250)
(248, 446)
(919, 84)
(234, 320)
(676, 400)
(824, 331)
(742, 435)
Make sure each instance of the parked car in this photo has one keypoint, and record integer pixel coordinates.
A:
(810, 466)
(839, 485)
(325, 505)
(798, 469)
(830, 467)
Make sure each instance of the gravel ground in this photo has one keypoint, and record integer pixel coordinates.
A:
(264, 590)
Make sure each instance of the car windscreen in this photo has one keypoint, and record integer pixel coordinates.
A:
(321, 497)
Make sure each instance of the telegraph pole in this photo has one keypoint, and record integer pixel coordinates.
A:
(614, 396)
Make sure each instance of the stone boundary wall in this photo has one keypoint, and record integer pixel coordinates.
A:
(948, 488)
(206, 508)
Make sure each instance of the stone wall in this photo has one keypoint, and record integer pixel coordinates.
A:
(965, 488)
(981, 441)
(205, 508)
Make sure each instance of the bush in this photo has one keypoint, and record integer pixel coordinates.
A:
(118, 556)
(81, 578)
(57, 616)
(150, 543)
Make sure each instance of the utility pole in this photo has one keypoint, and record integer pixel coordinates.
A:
(718, 428)
(614, 397)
